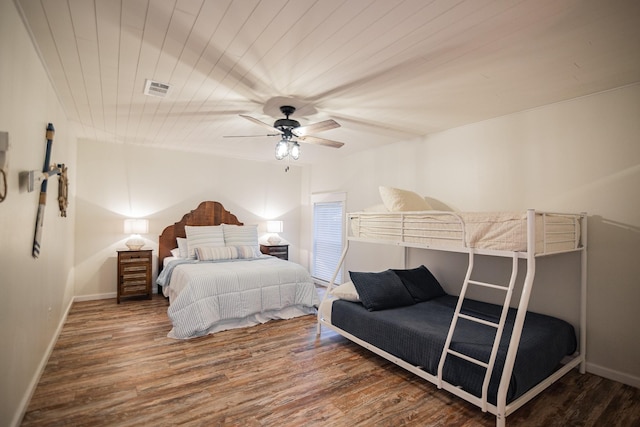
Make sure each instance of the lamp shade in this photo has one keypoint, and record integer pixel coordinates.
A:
(136, 226)
(274, 226)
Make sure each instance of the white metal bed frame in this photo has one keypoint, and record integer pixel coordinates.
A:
(501, 410)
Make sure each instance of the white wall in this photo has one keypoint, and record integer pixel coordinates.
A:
(578, 155)
(36, 293)
(120, 181)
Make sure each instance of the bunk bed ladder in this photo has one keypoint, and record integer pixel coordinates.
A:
(498, 326)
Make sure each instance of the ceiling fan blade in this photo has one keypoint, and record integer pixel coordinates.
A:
(251, 136)
(320, 141)
(261, 123)
(315, 127)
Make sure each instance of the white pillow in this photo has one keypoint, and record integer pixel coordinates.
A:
(175, 253)
(240, 235)
(347, 291)
(397, 200)
(183, 249)
(205, 235)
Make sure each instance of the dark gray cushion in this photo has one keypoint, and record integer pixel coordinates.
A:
(420, 283)
(382, 290)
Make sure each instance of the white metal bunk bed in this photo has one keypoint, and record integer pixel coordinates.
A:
(541, 234)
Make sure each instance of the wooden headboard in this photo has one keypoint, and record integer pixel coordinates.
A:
(207, 213)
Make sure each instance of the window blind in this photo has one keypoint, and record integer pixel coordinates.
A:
(327, 239)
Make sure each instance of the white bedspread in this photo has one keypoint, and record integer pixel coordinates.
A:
(207, 297)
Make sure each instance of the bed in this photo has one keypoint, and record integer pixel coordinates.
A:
(212, 272)
(416, 334)
(497, 357)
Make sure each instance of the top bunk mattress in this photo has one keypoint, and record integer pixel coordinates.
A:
(504, 231)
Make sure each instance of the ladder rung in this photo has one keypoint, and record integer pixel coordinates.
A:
(468, 358)
(489, 285)
(478, 320)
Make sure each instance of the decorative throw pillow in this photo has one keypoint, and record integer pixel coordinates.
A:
(347, 291)
(397, 200)
(420, 283)
(211, 253)
(247, 252)
(382, 290)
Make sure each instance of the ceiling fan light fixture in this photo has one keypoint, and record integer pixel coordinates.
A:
(282, 149)
(289, 129)
(294, 150)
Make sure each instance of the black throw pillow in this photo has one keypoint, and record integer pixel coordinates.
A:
(382, 290)
(420, 283)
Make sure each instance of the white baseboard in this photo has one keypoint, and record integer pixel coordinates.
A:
(613, 375)
(109, 295)
(94, 297)
(24, 403)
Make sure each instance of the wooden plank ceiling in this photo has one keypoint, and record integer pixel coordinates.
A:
(386, 70)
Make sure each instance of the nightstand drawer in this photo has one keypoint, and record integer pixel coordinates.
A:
(134, 287)
(130, 277)
(134, 268)
(133, 256)
(278, 252)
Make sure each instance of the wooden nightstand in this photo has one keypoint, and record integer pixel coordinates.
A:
(278, 251)
(134, 273)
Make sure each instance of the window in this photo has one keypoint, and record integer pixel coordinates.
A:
(328, 223)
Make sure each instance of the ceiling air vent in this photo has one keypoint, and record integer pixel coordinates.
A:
(156, 88)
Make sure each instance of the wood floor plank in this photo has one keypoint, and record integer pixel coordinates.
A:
(113, 365)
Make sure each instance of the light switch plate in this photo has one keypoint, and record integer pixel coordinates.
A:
(4, 148)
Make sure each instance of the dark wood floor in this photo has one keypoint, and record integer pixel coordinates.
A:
(114, 366)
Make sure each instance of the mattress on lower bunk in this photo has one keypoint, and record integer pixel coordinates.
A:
(486, 230)
(417, 334)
